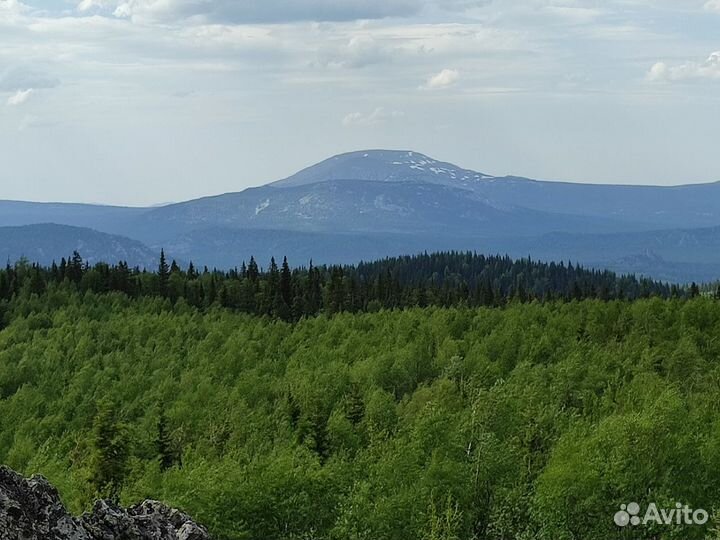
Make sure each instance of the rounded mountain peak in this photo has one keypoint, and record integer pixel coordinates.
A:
(383, 166)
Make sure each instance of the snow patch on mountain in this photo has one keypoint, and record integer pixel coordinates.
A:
(386, 166)
(262, 206)
(381, 203)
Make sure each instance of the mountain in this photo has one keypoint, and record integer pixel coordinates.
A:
(227, 247)
(644, 207)
(46, 243)
(99, 217)
(377, 203)
(362, 206)
(380, 191)
(654, 207)
(385, 166)
(671, 255)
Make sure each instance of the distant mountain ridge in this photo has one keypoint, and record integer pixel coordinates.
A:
(100, 217)
(47, 243)
(363, 206)
(654, 206)
(375, 203)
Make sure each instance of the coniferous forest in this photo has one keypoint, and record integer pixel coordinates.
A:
(439, 397)
(279, 291)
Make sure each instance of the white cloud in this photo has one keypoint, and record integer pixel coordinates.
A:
(12, 6)
(658, 72)
(444, 79)
(88, 5)
(710, 69)
(19, 97)
(360, 51)
(11, 10)
(378, 116)
(713, 5)
(575, 14)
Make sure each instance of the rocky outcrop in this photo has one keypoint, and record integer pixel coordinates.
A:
(32, 510)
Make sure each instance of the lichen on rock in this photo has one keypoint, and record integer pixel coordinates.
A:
(31, 509)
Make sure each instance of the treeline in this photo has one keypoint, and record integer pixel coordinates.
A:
(440, 279)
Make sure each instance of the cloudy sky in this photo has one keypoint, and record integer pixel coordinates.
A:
(151, 101)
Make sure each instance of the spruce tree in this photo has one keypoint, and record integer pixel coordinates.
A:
(163, 442)
(110, 453)
(286, 282)
(191, 272)
(694, 290)
(253, 272)
(37, 283)
(163, 274)
(75, 268)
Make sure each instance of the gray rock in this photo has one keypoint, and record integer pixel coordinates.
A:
(32, 510)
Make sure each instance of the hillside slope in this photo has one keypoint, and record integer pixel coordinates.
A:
(46, 243)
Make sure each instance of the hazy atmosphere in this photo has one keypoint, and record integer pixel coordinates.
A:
(151, 101)
(359, 269)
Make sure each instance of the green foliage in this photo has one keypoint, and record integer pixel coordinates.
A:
(109, 452)
(163, 442)
(531, 421)
(445, 524)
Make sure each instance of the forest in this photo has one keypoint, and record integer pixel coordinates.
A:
(534, 417)
(439, 279)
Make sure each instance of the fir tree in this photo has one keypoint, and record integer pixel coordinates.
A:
(286, 282)
(163, 442)
(163, 274)
(110, 453)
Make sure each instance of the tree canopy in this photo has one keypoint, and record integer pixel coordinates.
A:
(439, 279)
(534, 420)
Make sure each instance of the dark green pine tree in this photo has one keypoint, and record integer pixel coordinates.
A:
(280, 309)
(109, 453)
(271, 297)
(336, 291)
(62, 270)
(211, 294)
(191, 272)
(4, 286)
(223, 296)
(163, 442)
(313, 303)
(163, 274)
(694, 290)
(37, 283)
(487, 298)
(75, 268)
(253, 272)
(286, 283)
(355, 405)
